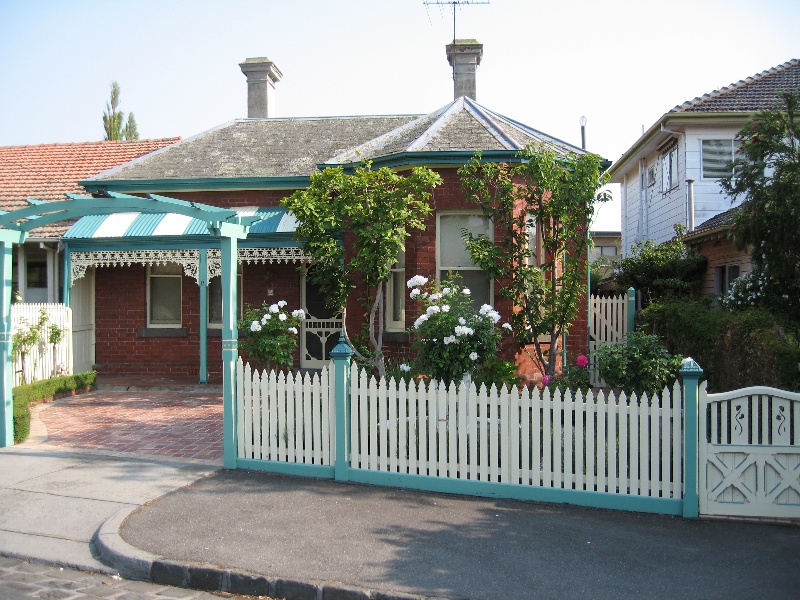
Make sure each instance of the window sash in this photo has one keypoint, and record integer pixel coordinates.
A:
(215, 300)
(164, 295)
(395, 300)
(716, 157)
(453, 256)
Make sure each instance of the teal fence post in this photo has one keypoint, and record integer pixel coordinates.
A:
(631, 310)
(690, 373)
(202, 281)
(340, 356)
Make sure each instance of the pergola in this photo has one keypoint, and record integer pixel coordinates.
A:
(226, 225)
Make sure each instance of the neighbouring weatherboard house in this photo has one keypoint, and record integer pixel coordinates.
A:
(154, 274)
(671, 174)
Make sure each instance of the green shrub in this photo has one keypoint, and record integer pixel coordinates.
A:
(668, 270)
(735, 348)
(640, 364)
(24, 395)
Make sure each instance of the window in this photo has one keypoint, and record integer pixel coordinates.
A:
(717, 155)
(534, 241)
(453, 256)
(725, 276)
(396, 295)
(651, 176)
(215, 299)
(669, 169)
(607, 251)
(164, 295)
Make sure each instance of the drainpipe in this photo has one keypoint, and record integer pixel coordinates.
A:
(690, 192)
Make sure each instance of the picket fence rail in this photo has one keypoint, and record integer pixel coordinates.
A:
(42, 362)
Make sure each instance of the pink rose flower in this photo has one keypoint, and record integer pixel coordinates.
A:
(581, 361)
(545, 379)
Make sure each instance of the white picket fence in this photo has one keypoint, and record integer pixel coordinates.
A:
(526, 437)
(608, 324)
(285, 417)
(41, 362)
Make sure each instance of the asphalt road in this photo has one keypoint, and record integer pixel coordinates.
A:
(461, 547)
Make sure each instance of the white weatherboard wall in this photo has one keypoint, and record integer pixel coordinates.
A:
(43, 361)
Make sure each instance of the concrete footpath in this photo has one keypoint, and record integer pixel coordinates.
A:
(183, 523)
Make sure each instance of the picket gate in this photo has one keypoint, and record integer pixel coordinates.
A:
(41, 362)
(608, 324)
(750, 453)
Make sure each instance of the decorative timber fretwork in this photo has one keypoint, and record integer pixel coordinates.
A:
(189, 259)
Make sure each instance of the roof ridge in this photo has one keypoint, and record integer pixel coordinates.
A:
(94, 143)
(734, 86)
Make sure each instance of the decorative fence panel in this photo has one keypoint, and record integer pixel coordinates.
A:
(522, 437)
(285, 417)
(750, 453)
(608, 324)
(43, 360)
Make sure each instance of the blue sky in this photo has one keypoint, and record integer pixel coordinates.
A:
(622, 64)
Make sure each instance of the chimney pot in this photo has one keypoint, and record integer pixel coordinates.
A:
(262, 74)
(464, 56)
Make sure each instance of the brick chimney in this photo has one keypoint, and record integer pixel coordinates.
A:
(262, 74)
(464, 56)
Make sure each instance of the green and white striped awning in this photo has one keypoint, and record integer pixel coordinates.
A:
(274, 220)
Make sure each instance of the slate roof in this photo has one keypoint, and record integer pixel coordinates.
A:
(759, 92)
(286, 147)
(48, 171)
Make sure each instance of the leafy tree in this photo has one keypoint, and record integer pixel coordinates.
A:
(378, 207)
(113, 119)
(766, 175)
(661, 271)
(542, 275)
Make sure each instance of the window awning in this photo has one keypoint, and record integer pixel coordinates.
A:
(147, 225)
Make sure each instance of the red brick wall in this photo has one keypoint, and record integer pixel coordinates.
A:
(121, 311)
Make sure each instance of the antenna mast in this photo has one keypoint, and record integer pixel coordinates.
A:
(454, 3)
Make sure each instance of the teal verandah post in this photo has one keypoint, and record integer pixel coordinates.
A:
(690, 373)
(202, 280)
(7, 241)
(631, 310)
(340, 356)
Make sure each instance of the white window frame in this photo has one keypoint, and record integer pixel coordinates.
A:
(439, 266)
(150, 277)
(239, 300)
(396, 272)
(733, 147)
(669, 169)
(534, 238)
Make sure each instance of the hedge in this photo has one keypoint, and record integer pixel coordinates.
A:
(47, 389)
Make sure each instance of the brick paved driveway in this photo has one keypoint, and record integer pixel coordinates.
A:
(160, 423)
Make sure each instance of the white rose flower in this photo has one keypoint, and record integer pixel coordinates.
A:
(507, 326)
(282, 317)
(274, 308)
(293, 330)
(281, 303)
(417, 281)
(405, 368)
(299, 313)
(445, 308)
(420, 320)
(473, 356)
(265, 318)
(432, 310)
(415, 292)
(462, 321)
(255, 326)
(466, 291)
(446, 291)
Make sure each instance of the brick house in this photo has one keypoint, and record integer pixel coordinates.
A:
(158, 292)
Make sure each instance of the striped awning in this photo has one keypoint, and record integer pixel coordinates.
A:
(140, 225)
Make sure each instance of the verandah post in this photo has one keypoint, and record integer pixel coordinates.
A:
(340, 356)
(202, 281)
(7, 239)
(690, 374)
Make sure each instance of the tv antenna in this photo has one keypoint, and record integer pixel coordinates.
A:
(454, 4)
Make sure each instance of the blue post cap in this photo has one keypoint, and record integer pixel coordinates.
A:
(690, 367)
(341, 350)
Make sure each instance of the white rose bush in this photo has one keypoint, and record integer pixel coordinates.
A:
(452, 338)
(269, 333)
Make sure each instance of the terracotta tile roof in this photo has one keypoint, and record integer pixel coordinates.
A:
(759, 92)
(723, 219)
(48, 171)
